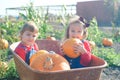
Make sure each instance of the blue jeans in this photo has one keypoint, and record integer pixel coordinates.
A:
(28, 55)
(74, 62)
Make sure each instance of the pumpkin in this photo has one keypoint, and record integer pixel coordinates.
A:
(3, 68)
(92, 44)
(68, 47)
(50, 38)
(37, 53)
(107, 42)
(49, 62)
(3, 65)
(3, 44)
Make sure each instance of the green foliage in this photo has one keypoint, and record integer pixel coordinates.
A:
(3, 54)
(59, 34)
(3, 69)
(94, 34)
(115, 33)
(10, 31)
(40, 17)
(117, 37)
(11, 73)
(108, 54)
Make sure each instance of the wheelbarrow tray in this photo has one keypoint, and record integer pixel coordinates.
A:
(25, 72)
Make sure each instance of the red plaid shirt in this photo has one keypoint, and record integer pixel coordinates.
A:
(86, 58)
(21, 50)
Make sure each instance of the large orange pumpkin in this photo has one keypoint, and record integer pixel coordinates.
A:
(107, 42)
(68, 47)
(3, 44)
(37, 54)
(50, 62)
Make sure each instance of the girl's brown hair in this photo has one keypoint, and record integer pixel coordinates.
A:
(29, 26)
(80, 21)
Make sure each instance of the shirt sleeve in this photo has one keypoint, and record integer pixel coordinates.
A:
(86, 57)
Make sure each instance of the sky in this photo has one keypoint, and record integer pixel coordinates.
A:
(19, 3)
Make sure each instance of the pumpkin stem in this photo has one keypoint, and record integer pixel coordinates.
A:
(51, 52)
(48, 64)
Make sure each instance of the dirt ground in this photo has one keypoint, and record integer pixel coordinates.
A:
(113, 72)
(110, 73)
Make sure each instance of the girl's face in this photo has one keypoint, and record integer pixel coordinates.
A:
(76, 31)
(28, 38)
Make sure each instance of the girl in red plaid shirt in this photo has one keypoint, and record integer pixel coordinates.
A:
(27, 47)
(77, 28)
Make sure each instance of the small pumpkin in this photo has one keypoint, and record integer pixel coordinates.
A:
(49, 62)
(3, 65)
(50, 38)
(68, 47)
(37, 53)
(107, 42)
(3, 44)
(92, 44)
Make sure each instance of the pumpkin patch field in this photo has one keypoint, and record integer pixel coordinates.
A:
(110, 53)
(104, 42)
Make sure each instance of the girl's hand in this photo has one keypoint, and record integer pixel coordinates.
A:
(79, 48)
(61, 51)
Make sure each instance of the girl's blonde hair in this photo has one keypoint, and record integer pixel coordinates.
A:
(29, 26)
(80, 21)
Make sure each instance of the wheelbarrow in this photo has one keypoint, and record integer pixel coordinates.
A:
(92, 72)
